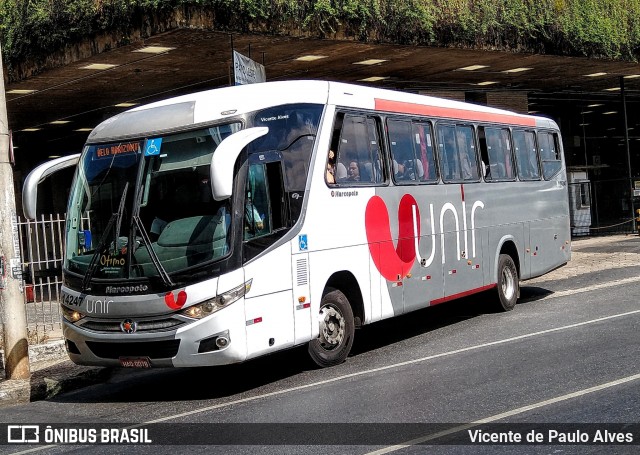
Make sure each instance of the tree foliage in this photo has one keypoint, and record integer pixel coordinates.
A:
(32, 29)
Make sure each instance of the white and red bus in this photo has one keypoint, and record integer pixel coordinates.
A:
(216, 227)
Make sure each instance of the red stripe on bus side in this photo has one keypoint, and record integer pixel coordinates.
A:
(463, 294)
(449, 112)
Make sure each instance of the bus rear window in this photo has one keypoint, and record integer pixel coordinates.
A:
(549, 154)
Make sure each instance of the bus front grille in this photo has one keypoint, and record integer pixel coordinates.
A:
(152, 349)
(153, 325)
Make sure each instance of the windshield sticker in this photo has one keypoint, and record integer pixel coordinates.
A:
(152, 146)
(117, 149)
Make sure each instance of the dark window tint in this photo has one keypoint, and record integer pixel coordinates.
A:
(256, 207)
(524, 144)
(457, 153)
(358, 151)
(495, 148)
(292, 131)
(423, 143)
(411, 151)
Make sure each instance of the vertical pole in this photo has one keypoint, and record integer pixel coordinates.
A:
(16, 344)
(626, 144)
(232, 76)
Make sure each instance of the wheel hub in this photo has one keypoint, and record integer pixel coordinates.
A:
(508, 283)
(332, 327)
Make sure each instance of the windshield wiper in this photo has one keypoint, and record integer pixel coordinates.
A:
(166, 279)
(119, 217)
(116, 218)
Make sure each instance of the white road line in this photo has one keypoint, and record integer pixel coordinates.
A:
(416, 441)
(388, 367)
(594, 287)
(371, 371)
(504, 415)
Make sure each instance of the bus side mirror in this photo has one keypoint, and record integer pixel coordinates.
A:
(224, 159)
(36, 176)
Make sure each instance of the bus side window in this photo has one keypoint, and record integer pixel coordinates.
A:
(524, 144)
(447, 151)
(496, 150)
(467, 152)
(549, 154)
(358, 152)
(423, 144)
(265, 212)
(264, 200)
(457, 153)
(373, 162)
(403, 160)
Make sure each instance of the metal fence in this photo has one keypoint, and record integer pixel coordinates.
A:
(601, 207)
(41, 250)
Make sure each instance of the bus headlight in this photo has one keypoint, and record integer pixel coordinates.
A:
(71, 315)
(204, 309)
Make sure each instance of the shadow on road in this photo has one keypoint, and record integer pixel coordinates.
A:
(207, 383)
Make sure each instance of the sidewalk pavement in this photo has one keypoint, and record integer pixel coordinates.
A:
(53, 373)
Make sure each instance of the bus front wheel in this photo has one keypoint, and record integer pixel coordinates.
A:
(336, 330)
(508, 283)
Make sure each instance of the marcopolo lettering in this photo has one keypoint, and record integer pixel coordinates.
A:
(126, 289)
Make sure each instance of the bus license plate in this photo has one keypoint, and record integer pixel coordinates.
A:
(135, 362)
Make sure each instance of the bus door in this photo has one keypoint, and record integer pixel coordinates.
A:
(268, 305)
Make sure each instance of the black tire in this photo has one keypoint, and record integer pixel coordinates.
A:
(508, 286)
(336, 330)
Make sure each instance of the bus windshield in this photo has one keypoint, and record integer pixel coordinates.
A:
(143, 208)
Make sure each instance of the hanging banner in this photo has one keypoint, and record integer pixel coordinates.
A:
(246, 71)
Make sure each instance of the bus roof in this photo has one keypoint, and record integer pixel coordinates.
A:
(204, 107)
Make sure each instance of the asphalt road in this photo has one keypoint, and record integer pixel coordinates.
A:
(564, 361)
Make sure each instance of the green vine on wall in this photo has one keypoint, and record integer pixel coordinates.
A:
(32, 29)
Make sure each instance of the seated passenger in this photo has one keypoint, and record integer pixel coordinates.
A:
(354, 172)
(331, 168)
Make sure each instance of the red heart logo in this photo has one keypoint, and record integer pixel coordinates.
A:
(170, 300)
(391, 261)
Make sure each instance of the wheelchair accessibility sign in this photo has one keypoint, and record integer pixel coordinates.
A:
(302, 242)
(152, 146)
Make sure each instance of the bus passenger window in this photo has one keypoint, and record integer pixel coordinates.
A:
(524, 144)
(404, 168)
(457, 153)
(358, 151)
(496, 152)
(467, 152)
(447, 152)
(423, 144)
(549, 154)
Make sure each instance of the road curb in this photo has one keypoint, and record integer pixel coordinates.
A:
(48, 382)
(52, 373)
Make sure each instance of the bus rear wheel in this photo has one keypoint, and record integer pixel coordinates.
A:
(336, 330)
(508, 283)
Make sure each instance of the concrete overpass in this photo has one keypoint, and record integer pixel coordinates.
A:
(51, 113)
